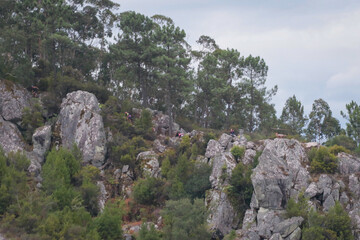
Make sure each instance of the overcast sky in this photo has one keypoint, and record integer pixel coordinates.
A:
(312, 47)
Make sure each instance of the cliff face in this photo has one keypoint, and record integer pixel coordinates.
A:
(282, 172)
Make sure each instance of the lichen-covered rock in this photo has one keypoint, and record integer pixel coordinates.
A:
(225, 139)
(286, 227)
(10, 137)
(279, 171)
(80, 122)
(213, 148)
(249, 156)
(348, 164)
(222, 215)
(276, 236)
(41, 140)
(158, 146)
(150, 163)
(161, 123)
(13, 100)
(249, 220)
(222, 167)
(295, 235)
(102, 196)
(267, 220)
(354, 186)
(312, 190)
(328, 203)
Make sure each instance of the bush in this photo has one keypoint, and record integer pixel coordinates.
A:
(32, 119)
(148, 191)
(299, 208)
(323, 161)
(238, 152)
(198, 182)
(335, 149)
(342, 140)
(185, 220)
(148, 233)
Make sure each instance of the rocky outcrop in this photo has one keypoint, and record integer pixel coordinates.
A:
(10, 137)
(348, 164)
(125, 178)
(279, 171)
(158, 146)
(103, 196)
(150, 163)
(13, 100)
(213, 148)
(80, 122)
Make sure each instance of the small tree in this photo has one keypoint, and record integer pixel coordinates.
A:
(238, 152)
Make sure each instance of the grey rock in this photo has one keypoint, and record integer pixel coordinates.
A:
(13, 100)
(296, 235)
(326, 193)
(312, 190)
(158, 146)
(10, 137)
(250, 145)
(344, 199)
(150, 163)
(328, 203)
(222, 215)
(161, 123)
(174, 142)
(213, 148)
(80, 122)
(276, 236)
(335, 193)
(286, 227)
(254, 204)
(249, 156)
(354, 186)
(249, 220)
(348, 164)
(247, 235)
(41, 141)
(222, 167)
(279, 170)
(310, 145)
(267, 220)
(103, 196)
(225, 139)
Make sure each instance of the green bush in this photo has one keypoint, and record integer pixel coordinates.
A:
(342, 140)
(32, 119)
(323, 161)
(238, 152)
(148, 233)
(299, 208)
(148, 191)
(198, 182)
(335, 149)
(185, 220)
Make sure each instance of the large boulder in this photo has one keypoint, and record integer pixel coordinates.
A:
(348, 164)
(225, 139)
(288, 226)
(213, 148)
(80, 122)
(10, 137)
(222, 167)
(150, 163)
(279, 172)
(41, 140)
(13, 100)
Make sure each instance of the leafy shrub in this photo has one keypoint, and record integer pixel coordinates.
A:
(148, 233)
(185, 220)
(144, 125)
(335, 149)
(32, 119)
(148, 191)
(208, 136)
(198, 182)
(323, 161)
(238, 152)
(299, 208)
(342, 140)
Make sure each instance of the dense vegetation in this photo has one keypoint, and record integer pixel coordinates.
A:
(66, 45)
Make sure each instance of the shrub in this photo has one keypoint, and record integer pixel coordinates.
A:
(342, 140)
(32, 119)
(238, 152)
(299, 208)
(323, 161)
(198, 182)
(335, 149)
(148, 191)
(148, 233)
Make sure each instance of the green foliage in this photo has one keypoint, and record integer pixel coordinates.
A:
(148, 191)
(238, 152)
(148, 233)
(299, 208)
(241, 188)
(342, 140)
(335, 149)
(108, 224)
(292, 116)
(322, 161)
(184, 220)
(353, 116)
(144, 125)
(32, 119)
(198, 182)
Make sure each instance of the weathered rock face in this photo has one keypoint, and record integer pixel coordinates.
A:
(41, 140)
(103, 196)
(161, 123)
(213, 148)
(348, 164)
(158, 146)
(223, 164)
(10, 137)
(13, 100)
(150, 163)
(278, 172)
(80, 122)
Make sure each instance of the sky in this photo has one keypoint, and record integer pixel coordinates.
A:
(312, 47)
